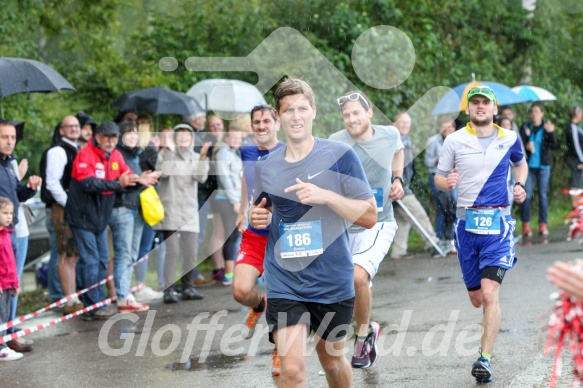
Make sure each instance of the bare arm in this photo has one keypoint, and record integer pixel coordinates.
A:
(447, 183)
(356, 211)
(520, 175)
(244, 206)
(397, 191)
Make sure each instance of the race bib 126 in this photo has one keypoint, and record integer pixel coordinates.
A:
(483, 221)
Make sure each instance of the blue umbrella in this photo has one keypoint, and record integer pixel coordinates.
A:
(456, 99)
(534, 93)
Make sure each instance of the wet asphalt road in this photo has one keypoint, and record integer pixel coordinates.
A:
(429, 336)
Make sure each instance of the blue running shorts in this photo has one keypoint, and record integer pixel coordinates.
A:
(477, 251)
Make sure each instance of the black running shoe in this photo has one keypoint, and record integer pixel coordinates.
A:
(482, 371)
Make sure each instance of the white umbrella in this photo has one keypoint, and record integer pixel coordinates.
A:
(226, 95)
(534, 93)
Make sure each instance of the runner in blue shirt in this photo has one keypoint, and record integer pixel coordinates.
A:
(477, 159)
(309, 191)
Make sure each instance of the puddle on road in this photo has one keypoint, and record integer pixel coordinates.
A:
(213, 361)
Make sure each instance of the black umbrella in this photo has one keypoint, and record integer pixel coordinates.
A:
(18, 75)
(159, 101)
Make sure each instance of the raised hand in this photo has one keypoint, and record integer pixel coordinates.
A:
(22, 168)
(260, 216)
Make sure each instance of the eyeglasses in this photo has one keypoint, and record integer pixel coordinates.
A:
(352, 97)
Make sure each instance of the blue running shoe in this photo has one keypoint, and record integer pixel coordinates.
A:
(482, 371)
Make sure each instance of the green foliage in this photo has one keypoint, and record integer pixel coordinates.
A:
(107, 47)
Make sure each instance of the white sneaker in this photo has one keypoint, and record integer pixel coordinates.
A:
(7, 354)
(147, 294)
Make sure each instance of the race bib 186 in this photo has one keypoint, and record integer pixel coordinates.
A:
(300, 239)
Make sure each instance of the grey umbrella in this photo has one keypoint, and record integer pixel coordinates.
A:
(19, 75)
(226, 96)
(159, 101)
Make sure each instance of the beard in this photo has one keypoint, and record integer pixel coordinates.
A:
(364, 128)
(481, 123)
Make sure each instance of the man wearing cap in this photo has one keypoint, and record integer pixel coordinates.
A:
(477, 159)
(59, 165)
(99, 171)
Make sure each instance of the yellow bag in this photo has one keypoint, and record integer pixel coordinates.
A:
(152, 208)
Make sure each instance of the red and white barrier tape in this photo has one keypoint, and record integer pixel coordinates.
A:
(40, 326)
(19, 320)
(67, 298)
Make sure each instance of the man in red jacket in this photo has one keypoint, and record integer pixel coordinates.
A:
(99, 171)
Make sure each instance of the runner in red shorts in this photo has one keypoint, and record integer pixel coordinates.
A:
(249, 265)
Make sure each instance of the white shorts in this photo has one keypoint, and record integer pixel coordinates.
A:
(370, 246)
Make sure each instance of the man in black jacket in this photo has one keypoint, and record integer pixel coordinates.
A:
(99, 171)
(15, 191)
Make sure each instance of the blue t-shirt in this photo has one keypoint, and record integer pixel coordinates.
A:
(250, 155)
(536, 136)
(308, 257)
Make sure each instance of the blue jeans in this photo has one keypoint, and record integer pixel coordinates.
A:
(136, 240)
(55, 291)
(542, 178)
(121, 223)
(146, 242)
(20, 255)
(92, 265)
(159, 251)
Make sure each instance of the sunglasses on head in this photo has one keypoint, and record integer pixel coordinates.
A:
(352, 97)
(482, 89)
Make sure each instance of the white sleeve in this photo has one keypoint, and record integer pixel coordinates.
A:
(447, 156)
(56, 162)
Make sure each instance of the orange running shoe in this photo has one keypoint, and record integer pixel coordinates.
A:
(251, 320)
(276, 368)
